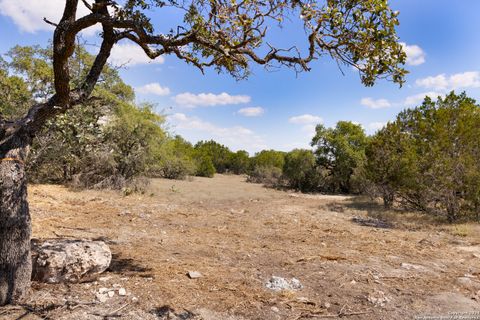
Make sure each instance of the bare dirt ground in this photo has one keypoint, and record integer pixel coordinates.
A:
(238, 235)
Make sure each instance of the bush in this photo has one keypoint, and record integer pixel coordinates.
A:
(267, 159)
(219, 154)
(269, 176)
(299, 170)
(239, 162)
(428, 158)
(341, 151)
(176, 168)
(174, 159)
(108, 141)
(205, 167)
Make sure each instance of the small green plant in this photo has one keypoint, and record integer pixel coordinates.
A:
(462, 230)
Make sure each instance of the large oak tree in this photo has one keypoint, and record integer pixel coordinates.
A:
(228, 35)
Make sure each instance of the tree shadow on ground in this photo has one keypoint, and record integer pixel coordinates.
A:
(376, 215)
(26, 311)
(128, 266)
(167, 312)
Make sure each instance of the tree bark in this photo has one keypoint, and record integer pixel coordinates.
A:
(15, 223)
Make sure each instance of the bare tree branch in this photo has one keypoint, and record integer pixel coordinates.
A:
(227, 36)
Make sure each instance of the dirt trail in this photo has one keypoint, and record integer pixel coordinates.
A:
(237, 235)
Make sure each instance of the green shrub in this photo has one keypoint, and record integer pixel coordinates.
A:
(267, 159)
(300, 172)
(269, 176)
(205, 167)
(428, 158)
(341, 151)
(176, 168)
(218, 154)
(239, 162)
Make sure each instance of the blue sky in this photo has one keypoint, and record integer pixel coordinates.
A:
(279, 109)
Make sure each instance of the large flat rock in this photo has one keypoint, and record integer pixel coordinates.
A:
(67, 260)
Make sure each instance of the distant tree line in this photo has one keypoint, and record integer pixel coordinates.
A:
(427, 159)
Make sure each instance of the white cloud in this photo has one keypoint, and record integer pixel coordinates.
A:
(308, 122)
(469, 79)
(309, 129)
(305, 119)
(251, 112)
(418, 98)
(130, 54)
(375, 104)
(28, 15)
(438, 82)
(236, 137)
(154, 88)
(191, 100)
(415, 54)
(374, 126)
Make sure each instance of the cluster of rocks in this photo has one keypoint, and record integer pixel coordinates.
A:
(104, 294)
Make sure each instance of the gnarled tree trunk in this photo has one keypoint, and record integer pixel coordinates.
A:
(15, 223)
(16, 136)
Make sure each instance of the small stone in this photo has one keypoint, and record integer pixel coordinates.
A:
(468, 283)
(275, 309)
(103, 290)
(134, 299)
(278, 284)
(122, 292)
(327, 305)
(194, 274)
(409, 266)
(353, 282)
(101, 297)
(379, 299)
(295, 284)
(233, 211)
(111, 294)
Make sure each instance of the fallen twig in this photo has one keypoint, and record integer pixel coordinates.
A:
(330, 315)
(113, 313)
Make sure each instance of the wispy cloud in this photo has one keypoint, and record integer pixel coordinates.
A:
(375, 126)
(191, 100)
(305, 119)
(154, 88)
(416, 99)
(375, 103)
(251, 111)
(129, 54)
(308, 122)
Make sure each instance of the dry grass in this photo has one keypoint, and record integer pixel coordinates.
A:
(238, 235)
